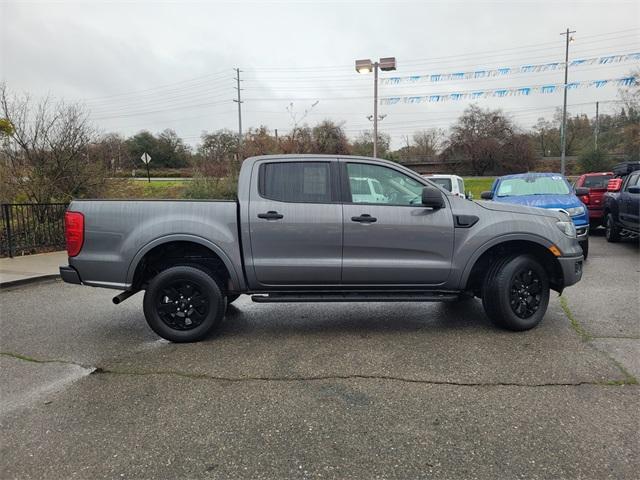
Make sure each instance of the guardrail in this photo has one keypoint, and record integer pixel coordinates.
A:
(27, 228)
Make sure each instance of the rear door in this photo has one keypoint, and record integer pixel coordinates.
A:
(392, 239)
(295, 223)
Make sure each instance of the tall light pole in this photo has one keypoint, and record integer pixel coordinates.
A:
(366, 66)
(563, 128)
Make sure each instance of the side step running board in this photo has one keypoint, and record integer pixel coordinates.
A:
(381, 296)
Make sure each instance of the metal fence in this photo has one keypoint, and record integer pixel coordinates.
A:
(31, 228)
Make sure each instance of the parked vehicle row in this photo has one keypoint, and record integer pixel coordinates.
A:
(550, 191)
(322, 229)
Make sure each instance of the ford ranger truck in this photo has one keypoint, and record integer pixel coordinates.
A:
(299, 233)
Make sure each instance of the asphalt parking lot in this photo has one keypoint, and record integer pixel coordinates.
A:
(326, 390)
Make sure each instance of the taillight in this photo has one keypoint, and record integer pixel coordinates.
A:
(585, 199)
(614, 185)
(74, 232)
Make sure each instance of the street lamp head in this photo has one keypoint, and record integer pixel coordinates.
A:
(387, 64)
(364, 66)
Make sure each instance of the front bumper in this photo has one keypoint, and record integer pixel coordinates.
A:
(70, 275)
(571, 269)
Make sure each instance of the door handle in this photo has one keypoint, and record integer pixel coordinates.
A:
(271, 215)
(364, 218)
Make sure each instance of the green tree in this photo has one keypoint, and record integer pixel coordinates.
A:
(593, 160)
(363, 144)
(329, 138)
(6, 129)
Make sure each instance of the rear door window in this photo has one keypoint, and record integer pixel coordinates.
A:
(296, 182)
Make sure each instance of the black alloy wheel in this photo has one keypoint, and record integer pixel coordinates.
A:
(524, 295)
(183, 304)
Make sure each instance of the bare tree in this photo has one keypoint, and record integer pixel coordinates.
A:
(46, 156)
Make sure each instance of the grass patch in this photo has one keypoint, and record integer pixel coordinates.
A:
(574, 323)
(477, 185)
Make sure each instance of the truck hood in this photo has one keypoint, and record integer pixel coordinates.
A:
(519, 208)
(543, 201)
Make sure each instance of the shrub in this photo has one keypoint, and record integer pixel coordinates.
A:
(203, 188)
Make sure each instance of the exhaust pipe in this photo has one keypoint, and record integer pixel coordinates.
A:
(123, 296)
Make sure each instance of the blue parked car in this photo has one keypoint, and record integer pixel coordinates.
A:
(544, 190)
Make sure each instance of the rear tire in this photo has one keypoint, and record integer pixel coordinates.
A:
(585, 248)
(183, 304)
(515, 292)
(611, 232)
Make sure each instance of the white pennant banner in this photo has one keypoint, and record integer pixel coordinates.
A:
(498, 72)
(507, 92)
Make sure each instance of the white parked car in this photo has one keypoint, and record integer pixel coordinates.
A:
(452, 183)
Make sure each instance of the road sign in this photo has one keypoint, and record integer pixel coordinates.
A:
(146, 158)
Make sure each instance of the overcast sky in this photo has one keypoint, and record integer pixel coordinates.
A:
(155, 65)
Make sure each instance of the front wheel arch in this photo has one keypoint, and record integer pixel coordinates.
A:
(485, 259)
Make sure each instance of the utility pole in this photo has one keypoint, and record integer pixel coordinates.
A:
(239, 102)
(375, 109)
(276, 130)
(563, 128)
(597, 129)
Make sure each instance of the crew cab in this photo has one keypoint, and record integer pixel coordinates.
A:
(621, 203)
(544, 190)
(596, 184)
(298, 232)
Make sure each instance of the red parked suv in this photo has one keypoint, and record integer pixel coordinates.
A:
(597, 185)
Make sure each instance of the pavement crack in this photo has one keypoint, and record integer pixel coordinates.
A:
(588, 338)
(579, 329)
(26, 358)
(312, 378)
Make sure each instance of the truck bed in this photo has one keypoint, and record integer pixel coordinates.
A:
(119, 232)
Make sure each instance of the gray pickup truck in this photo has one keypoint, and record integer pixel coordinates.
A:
(312, 228)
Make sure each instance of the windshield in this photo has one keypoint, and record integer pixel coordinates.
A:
(597, 181)
(443, 182)
(515, 187)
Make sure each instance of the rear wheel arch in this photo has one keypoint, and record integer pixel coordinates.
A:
(484, 258)
(180, 250)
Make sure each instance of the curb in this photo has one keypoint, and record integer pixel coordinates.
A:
(29, 280)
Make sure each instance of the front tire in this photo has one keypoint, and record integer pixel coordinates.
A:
(585, 248)
(183, 304)
(515, 292)
(611, 232)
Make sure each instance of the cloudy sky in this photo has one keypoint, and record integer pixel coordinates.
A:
(156, 64)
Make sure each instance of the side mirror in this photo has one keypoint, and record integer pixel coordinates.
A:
(432, 197)
(635, 189)
(580, 191)
(486, 195)
(614, 185)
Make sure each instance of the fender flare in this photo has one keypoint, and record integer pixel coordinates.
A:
(180, 237)
(508, 237)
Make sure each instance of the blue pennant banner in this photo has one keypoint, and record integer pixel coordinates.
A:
(499, 72)
(507, 92)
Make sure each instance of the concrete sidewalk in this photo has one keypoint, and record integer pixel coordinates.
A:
(23, 269)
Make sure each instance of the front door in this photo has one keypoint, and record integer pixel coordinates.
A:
(629, 203)
(389, 237)
(295, 223)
